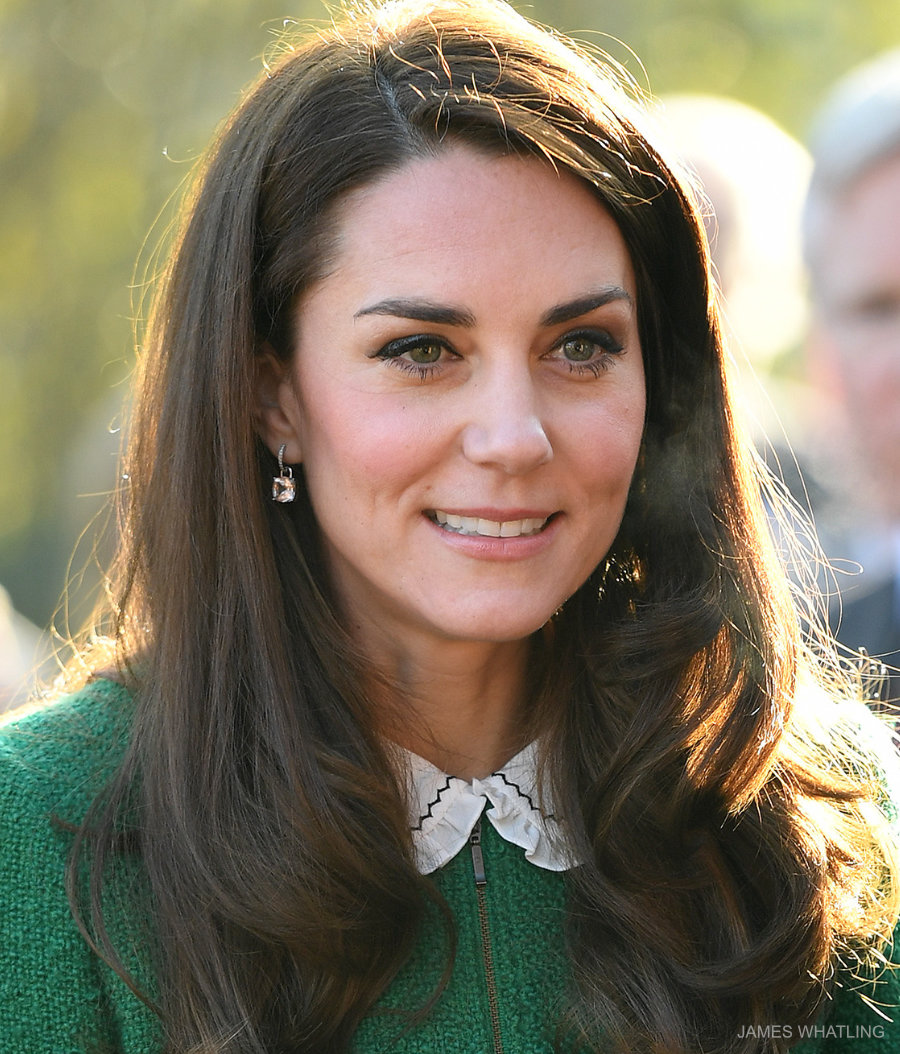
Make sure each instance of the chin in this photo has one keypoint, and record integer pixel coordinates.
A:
(497, 627)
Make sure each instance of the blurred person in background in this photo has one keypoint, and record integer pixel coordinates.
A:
(754, 176)
(851, 236)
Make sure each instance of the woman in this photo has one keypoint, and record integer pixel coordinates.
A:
(436, 510)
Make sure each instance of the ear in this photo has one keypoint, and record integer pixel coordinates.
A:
(277, 407)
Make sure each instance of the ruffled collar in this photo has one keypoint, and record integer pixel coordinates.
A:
(444, 810)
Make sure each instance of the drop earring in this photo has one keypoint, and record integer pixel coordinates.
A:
(284, 486)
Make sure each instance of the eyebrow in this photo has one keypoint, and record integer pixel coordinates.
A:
(584, 305)
(421, 311)
(441, 314)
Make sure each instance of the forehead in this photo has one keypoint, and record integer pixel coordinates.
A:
(861, 247)
(462, 212)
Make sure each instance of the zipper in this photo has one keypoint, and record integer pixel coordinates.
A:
(484, 925)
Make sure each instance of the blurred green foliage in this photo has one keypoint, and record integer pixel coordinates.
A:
(105, 103)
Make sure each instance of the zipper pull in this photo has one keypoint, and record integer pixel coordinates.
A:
(477, 855)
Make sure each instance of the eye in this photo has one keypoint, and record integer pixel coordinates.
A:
(590, 351)
(425, 354)
(420, 354)
(579, 349)
(878, 308)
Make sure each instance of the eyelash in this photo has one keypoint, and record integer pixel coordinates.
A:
(600, 338)
(394, 350)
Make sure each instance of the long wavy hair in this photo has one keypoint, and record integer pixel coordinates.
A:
(731, 850)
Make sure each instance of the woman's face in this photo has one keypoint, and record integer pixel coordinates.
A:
(466, 396)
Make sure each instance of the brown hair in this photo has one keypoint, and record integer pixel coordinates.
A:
(723, 842)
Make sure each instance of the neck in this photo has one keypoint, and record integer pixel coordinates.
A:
(459, 705)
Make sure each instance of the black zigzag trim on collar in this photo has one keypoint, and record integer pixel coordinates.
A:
(441, 792)
(522, 794)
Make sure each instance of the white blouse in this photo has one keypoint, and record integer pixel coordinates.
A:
(444, 810)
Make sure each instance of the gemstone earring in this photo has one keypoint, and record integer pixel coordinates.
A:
(284, 487)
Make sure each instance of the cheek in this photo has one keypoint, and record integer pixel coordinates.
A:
(610, 442)
(868, 391)
(359, 446)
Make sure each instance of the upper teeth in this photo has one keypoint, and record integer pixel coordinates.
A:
(488, 528)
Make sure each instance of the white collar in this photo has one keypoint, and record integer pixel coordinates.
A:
(444, 810)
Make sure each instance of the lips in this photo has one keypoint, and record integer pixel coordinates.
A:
(485, 528)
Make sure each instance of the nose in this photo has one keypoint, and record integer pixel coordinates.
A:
(505, 429)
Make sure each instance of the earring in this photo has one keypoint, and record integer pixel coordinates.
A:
(284, 487)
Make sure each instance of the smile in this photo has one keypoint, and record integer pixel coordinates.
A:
(487, 528)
